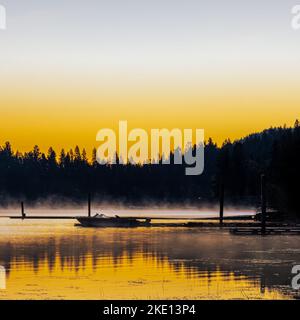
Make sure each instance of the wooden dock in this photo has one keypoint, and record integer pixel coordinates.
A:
(212, 220)
(40, 217)
(267, 231)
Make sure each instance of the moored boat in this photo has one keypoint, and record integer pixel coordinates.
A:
(101, 220)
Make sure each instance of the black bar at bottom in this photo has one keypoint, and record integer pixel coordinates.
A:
(144, 309)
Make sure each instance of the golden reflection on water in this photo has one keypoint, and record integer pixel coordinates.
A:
(55, 260)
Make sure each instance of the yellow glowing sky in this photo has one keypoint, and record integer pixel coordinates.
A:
(154, 67)
(66, 115)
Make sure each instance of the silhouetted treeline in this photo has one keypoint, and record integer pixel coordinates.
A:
(70, 175)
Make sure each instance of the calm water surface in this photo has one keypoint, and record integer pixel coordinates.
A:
(55, 260)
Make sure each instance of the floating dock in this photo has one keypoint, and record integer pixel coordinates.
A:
(40, 217)
(268, 231)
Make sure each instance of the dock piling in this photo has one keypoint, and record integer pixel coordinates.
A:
(23, 211)
(89, 205)
(222, 189)
(263, 204)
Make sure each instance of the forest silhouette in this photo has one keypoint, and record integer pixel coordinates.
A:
(70, 175)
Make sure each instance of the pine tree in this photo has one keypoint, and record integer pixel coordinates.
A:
(94, 157)
(51, 158)
(62, 158)
(77, 155)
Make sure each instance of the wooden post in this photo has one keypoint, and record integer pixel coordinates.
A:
(22, 210)
(89, 205)
(263, 204)
(222, 189)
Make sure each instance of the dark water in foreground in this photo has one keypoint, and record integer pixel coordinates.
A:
(55, 260)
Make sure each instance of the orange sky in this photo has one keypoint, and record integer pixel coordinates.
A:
(61, 115)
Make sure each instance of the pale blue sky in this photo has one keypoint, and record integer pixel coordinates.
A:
(148, 34)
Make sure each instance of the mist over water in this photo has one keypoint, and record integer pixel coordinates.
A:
(111, 210)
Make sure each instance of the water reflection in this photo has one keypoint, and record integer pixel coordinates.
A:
(59, 261)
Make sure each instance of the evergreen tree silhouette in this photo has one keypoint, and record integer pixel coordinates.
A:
(238, 165)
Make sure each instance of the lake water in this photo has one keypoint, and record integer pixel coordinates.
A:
(53, 259)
